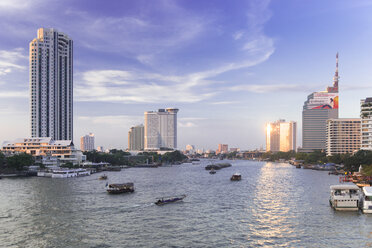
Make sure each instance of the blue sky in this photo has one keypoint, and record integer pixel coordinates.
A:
(229, 66)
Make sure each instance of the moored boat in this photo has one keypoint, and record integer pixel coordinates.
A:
(236, 177)
(169, 199)
(118, 188)
(103, 177)
(345, 197)
(367, 200)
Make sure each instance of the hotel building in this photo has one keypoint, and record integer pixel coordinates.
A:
(44, 148)
(366, 121)
(136, 138)
(281, 136)
(87, 142)
(161, 129)
(343, 136)
(319, 107)
(51, 85)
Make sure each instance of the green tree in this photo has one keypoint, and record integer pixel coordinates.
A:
(2, 159)
(174, 156)
(19, 161)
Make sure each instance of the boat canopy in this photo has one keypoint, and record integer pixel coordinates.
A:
(367, 191)
(344, 186)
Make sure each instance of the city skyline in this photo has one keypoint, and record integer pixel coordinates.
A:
(229, 67)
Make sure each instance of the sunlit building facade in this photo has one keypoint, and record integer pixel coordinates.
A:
(366, 123)
(87, 142)
(136, 138)
(44, 147)
(222, 148)
(343, 135)
(161, 129)
(318, 108)
(51, 85)
(281, 136)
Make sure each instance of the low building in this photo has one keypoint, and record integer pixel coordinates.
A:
(45, 150)
(343, 136)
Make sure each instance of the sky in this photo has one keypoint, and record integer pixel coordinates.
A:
(229, 66)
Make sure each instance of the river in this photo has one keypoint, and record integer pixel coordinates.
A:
(274, 205)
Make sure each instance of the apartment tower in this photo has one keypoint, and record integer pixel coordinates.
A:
(87, 142)
(281, 136)
(161, 129)
(51, 85)
(136, 137)
(366, 121)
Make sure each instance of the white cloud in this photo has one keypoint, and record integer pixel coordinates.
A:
(186, 124)
(256, 88)
(12, 59)
(14, 94)
(223, 102)
(113, 120)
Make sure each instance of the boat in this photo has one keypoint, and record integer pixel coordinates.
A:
(345, 197)
(169, 199)
(367, 200)
(118, 188)
(103, 177)
(236, 177)
(212, 171)
(298, 166)
(66, 173)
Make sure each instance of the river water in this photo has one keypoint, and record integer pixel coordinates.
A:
(274, 205)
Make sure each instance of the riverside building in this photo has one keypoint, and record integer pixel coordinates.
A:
(87, 142)
(222, 148)
(161, 129)
(45, 150)
(136, 138)
(281, 136)
(51, 85)
(366, 123)
(343, 136)
(318, 108)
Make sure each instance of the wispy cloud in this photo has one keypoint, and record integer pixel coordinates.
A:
(12, 59)
(256, 88)
(13, 94)
(113, 120)
(223, 102)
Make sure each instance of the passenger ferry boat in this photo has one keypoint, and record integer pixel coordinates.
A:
(345, 197)
(367, 200)
(118, 188)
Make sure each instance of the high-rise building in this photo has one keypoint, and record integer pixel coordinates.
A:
(51, 85)
(161, 129)
(281, 136)
(87, 142)
(366, 122)
(343, 135)
(136, 136)
(222, 148)
(319, 107)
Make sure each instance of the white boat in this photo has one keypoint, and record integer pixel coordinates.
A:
(66, 173)
(345, 197)
(367, 200)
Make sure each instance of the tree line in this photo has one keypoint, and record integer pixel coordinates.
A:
(15, 162)
(351, 162)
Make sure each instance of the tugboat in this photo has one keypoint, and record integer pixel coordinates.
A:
(169, 199)
(236, 177)
(120, 188)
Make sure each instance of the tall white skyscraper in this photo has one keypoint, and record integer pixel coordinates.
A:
(161, 129)
(51, 85)
(87, 142)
